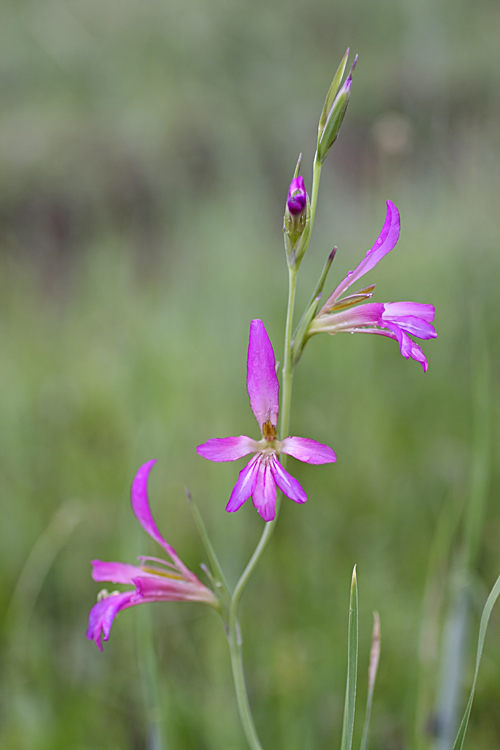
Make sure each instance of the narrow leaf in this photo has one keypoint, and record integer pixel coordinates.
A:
(372, 675)
(217, 573)
(485, 617)
(299, 337)
(352, 667)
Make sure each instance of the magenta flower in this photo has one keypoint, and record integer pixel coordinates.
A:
(393, 319)
(261, 475)
(297, 196)
(155, 580)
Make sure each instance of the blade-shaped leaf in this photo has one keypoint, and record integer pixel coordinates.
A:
(352, 667)
(372, 676)
(485, 617)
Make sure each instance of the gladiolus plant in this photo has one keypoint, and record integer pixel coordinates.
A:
(265, 478)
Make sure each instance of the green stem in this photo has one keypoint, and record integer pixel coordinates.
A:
(234, 634)
(239, 682)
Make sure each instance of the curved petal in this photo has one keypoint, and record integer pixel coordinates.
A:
(418, 309)
(307, 450)
(384, 244)
(227, 449)
(418, 355)
(103, 613)
(264, 493)
(287, 484)
(404, 340)
(140, 506)
(114, 571)
(244, 486)
(262, 382)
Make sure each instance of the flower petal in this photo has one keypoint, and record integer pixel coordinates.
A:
(114, 571)
(287, 484)
(413, 325)
(262, 382)
(140, 506)
(227, 449)
(387, 240)
(104, 612)
(419, 310)
(418, 355)
(264, 492)
(244, 486)
(307, 450)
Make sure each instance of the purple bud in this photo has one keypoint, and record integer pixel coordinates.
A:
(297, 196)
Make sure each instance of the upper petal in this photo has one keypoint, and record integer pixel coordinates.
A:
(287, 484)
(419, 310)
(262, 382)
(384, 244)
(264, 492)
(308, 450)
(140, 506)
(227, 449)
(103, 613)
(244, 486)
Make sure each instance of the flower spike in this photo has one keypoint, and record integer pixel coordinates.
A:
(264, 472)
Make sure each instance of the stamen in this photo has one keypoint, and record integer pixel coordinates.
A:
(269, 431)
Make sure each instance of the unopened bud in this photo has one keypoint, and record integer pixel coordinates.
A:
(297, 196)
(328, 132)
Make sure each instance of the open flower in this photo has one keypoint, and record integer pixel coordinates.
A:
(393, 319)
(154, 580)
(261, 475)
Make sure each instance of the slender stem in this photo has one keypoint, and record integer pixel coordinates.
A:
(234, 632)
(239, 682)
(285, 421)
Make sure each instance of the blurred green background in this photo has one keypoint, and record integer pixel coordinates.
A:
(146, 148)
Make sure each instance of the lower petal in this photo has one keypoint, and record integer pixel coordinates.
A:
(104, 612)
(287, 484)
(264, 493)
(244, 486)
(307, 450)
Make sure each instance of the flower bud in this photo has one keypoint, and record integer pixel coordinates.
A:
(296, 222)
(332, 119)
(297, 196)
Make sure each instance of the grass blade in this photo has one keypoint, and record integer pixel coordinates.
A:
(372, 676)
(485, 617)
(352, 667)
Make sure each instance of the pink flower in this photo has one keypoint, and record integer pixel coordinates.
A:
(155, 580)
(393, 319)
(261, 475)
